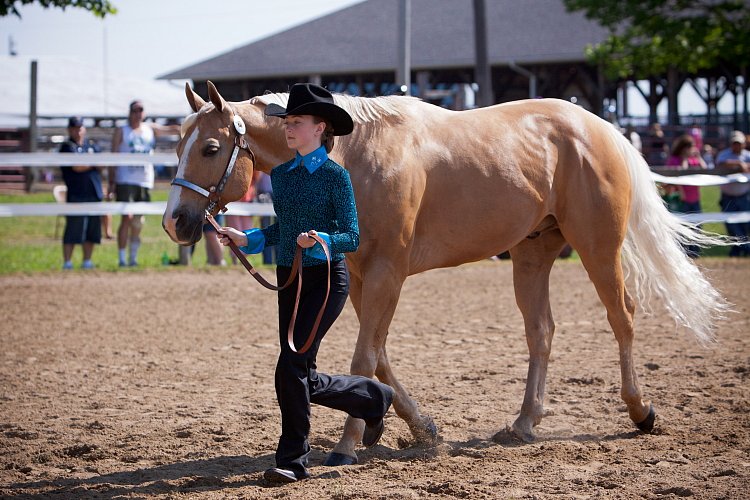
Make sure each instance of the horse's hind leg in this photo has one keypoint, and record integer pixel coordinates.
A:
(375, 299)
(532, 261)
(605, 270)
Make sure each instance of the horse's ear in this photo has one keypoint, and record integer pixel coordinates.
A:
(196, 102)
(215, 97)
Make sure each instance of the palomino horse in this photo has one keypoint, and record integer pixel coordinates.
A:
(438, 188)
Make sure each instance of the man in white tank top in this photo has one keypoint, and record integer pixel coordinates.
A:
(132, 183)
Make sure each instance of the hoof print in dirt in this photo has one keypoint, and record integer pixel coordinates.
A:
(79, 450)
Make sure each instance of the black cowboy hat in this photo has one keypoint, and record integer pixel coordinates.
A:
(311, 99)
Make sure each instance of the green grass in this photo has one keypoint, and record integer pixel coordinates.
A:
(710, 203)
(28, 245)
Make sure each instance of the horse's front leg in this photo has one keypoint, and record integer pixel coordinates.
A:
(422, 427)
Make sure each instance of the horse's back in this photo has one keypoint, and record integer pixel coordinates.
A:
(480, 181)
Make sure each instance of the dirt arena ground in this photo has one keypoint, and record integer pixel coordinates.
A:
(160, 385)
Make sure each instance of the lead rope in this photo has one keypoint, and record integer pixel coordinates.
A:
(296, 271)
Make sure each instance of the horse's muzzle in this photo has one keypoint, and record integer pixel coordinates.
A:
(184, 226)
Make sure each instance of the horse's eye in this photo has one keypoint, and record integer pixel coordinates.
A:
(210, 150)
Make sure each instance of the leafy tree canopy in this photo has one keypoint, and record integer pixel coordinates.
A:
(646, 37)
(99, 8)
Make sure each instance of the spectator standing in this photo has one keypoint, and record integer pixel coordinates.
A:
(214, 250)
(634, 138)
(84, 184)
(735, 197)
(657, 154)
(133, 183)
(697, 134)
(242, 222)
(264, 194)
(709, 156)
(685, 156)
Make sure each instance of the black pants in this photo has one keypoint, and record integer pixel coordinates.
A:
(298, 383)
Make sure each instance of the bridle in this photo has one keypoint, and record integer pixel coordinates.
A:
(213, 194)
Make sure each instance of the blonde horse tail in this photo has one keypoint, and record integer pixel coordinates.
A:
(654, 256)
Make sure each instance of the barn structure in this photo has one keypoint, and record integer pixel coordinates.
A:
(535, 48)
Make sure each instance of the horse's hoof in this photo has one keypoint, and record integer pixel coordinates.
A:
(519, 434)
(647, 425)
(335, 459)
(513, 436)
(427, 432)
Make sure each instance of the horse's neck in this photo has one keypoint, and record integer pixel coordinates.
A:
(269, 144)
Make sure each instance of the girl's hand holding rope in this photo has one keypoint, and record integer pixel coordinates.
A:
(225, 234)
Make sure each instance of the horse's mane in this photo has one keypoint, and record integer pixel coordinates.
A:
(361, 109)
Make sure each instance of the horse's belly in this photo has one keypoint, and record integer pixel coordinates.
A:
(477, 228)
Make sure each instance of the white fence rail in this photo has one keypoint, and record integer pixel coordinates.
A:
(103, 208)
(38, 160)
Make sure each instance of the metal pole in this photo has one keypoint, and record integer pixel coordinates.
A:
(482, 67)
(32, 109)
(528, 74)
(105, 101)
(673, 112)
(745, 114)
(29, 174)
(403, 72)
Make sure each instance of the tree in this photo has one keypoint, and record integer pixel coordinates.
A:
(99, 8)
(650, 37)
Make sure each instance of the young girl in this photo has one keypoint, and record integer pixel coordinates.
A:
(312, 195)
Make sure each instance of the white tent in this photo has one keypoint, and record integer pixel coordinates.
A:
(70, 86)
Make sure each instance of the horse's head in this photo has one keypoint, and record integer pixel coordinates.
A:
(215, 166)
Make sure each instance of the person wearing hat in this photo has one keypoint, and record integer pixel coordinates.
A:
(84, 185)
(312, 195)
(735, 197)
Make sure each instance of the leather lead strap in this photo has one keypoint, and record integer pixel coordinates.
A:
(295, 272)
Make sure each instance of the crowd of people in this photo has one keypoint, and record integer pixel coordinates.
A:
(128, 183)
(689, 152)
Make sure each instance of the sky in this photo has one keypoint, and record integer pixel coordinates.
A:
(149, 38)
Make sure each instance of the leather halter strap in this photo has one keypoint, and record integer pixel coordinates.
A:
(296, 272)
(213, 193)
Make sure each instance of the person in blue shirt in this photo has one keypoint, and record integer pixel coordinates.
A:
(735, 197)
(84, 185)
(312, 195)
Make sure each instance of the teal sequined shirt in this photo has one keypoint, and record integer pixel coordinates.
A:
(322, 200)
